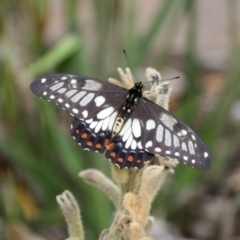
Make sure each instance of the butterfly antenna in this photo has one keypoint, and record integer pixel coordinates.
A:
(162, 80)
(125, 53)
(168, 79)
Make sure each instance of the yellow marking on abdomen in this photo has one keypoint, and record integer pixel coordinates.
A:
(118, 124)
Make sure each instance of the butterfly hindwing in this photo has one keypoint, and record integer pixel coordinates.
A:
(86, 138)
(117, 152)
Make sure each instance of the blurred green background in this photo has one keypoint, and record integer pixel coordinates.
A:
(38, 158)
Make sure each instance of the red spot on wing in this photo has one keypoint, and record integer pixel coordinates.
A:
(130, 158)
(120, 159)
(113, 154)
(89, 144)
(109, 145)
(106, 142)
(98, 145)
(84, 135)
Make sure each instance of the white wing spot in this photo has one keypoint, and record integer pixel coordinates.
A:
(136, 128)
(150, 124)
(98, 127)
(93, 124)
(105, 124)
(148, 144)
(86, 99)
(114, 163)
(85, 113)
(71, 92)
(185, 158)
(91, 85)
(176, 141)
(184, 146)
(99, 100)
(126, 135)
(157, 149)
(184, 132)
(191, 147)
(73, 81)
(63, 78)
(134, 145)
(60, 100)
(177, 154)
(168, 152)
(140, 145)
(168, 139)
(193, 137)
(193, 161)
(126, 126)
(159, 135)
(168, 121)
(75, 110)
(62, 90)
(44, 93)
(78, 96)
(43, 80)
(129, 141)
(205, 154)
(57, 86)
(67, 105)
(52, 97)
(89, 120)
(180, 134)
(112, 120)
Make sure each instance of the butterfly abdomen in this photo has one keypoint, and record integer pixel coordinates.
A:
(134, 94)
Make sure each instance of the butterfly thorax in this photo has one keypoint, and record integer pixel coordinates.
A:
(131, 100)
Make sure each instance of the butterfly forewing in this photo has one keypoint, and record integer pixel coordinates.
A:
(166, 135)
(82, 97)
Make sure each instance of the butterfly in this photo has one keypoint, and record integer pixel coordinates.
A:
(128, 127)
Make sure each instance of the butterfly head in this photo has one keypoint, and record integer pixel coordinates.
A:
(138, 87)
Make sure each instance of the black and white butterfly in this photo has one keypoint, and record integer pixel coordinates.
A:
(129, 127)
